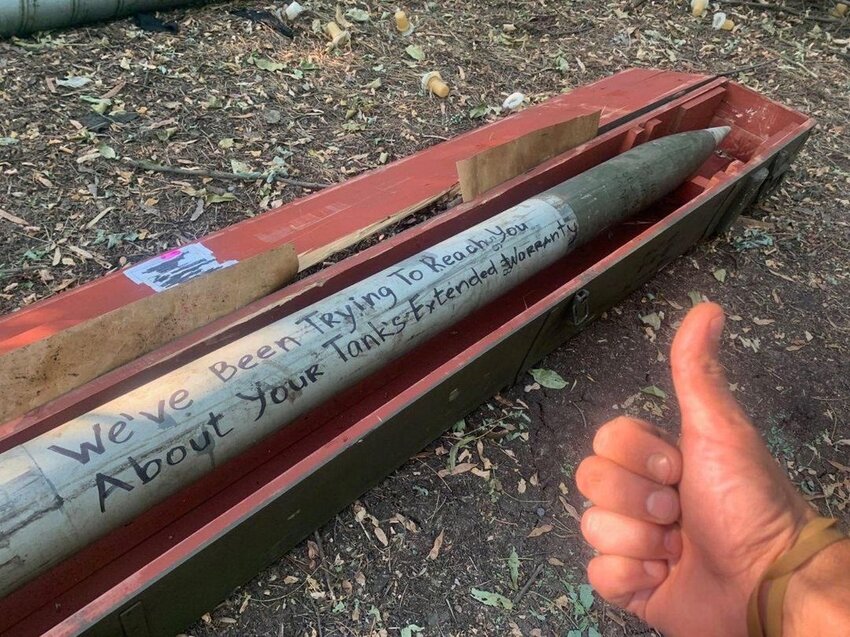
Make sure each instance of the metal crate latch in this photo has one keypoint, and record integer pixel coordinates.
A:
(134, 623)
(580, 307)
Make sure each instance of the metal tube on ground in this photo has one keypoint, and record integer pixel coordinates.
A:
(65, 488)
(20, 17)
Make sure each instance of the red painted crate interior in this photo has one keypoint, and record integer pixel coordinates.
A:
(96, 578)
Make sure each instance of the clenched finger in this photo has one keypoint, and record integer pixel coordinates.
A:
(634, 445)
(616, 534)
(612, 487)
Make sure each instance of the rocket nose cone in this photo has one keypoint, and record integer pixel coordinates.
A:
(719, 133)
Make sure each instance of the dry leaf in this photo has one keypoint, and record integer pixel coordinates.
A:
(570, 509)
(521, 486)
(8, 216)
(340, 18)
(85, 254)
(540, 530)
(653, 320)
(463, 467)
(554, 561)
(312, 550)
(407, 523)
(438, 544)
(382, 537)
(562, 602)
(199, 209)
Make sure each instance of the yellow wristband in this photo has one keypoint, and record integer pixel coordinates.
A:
(814, 537)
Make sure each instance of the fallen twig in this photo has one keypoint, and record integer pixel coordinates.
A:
(528, 584)
(145, 164)
(783, 9)
(321, 549)
(801, 66)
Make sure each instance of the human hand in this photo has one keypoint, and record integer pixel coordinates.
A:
(685, 532)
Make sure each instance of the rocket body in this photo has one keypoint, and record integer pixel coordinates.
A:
(65, 488)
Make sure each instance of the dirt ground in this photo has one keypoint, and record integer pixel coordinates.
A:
(426, 553)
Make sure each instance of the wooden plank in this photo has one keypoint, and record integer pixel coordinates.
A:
(699, 111)
(496, 165)
(34, 374)
(317, 255)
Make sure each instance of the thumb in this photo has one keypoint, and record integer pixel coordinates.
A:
(705, 400)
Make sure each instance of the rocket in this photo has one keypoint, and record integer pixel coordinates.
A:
(63, 489)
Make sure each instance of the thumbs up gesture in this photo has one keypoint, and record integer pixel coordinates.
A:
(685, 531)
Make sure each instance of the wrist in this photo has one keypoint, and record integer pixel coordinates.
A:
(817, 601)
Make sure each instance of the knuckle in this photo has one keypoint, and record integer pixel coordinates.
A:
(630, 423)
(611, 431)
